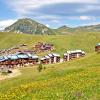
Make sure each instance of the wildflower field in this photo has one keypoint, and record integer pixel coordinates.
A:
(75, 80)
(78, 79)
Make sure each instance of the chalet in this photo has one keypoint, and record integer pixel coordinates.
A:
(97, 48)
(33, 59)
(19, 59)
(73, 54)
(48, 60)
(51, 58)
(22, 58)
(27, 58)
(43, 60)
(13, 60)
(42, 47)
(56, 57)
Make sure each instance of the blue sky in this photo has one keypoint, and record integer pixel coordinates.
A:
(53, 13)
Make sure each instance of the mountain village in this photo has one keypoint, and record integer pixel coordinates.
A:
(24, 58)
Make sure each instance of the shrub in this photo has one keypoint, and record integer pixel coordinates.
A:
(40, 67)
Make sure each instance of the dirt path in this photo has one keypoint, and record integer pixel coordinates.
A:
(14, 73)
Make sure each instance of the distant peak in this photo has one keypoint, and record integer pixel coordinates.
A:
(27, 19)
(30, 26)
(64, 26)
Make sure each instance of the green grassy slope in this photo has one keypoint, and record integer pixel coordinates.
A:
(75, 80)
(84, 41)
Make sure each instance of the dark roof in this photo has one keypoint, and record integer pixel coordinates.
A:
(21, 55)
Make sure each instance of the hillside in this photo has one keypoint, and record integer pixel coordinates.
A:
(91, 28)
(69, 30)
(74, 80)
(29, 26)
(64, 30)
(85, 41)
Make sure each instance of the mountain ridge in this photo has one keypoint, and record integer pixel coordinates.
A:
(31, 26)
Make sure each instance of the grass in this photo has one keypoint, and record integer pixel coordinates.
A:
(74, 80)
(67, 81)
(4, 73)
(84, 41)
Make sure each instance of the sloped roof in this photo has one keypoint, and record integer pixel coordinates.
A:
(3, 58)
(75, 51)
(65, 54)
(13, 57)
(98, 44)
(50, 55)
(47, 57)
(29, 54)
(43, 58)
(34, 57)
(56, 55)
(21, 55)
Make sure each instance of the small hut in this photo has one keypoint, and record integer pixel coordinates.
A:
(97, 48)
(56, 57)
(73, 54)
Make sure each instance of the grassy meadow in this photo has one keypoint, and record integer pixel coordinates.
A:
(84, 41)
(78, 79)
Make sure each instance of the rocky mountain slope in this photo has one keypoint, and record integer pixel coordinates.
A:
(29, 26)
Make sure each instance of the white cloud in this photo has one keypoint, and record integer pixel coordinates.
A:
(47, 25)
(5, 23)
(86, 18)
(25, 6)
